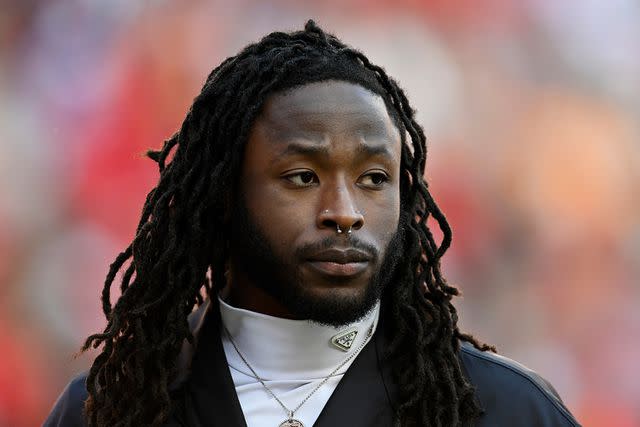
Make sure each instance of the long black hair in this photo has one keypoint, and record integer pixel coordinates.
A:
(179, 251)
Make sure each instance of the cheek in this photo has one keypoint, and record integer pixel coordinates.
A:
(391, 223)
(382, 218)
(385, 211)
(280, 218)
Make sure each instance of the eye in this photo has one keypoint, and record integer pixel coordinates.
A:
(374, 179)
(302, 178)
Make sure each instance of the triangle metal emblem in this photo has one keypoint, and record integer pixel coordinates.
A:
(344, 340)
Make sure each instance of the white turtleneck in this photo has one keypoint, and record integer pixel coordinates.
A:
(291, 356)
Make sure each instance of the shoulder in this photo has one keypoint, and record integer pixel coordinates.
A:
(512, 394)
(69, 407)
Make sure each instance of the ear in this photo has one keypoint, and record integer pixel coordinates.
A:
(406, 184)
(408, 176)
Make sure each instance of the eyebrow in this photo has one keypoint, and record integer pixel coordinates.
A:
(315, 150)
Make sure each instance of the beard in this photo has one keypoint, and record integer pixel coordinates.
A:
(279, 277)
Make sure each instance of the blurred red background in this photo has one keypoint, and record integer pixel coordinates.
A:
(531, 108)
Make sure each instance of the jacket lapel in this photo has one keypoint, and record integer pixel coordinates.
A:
(361, 398)
(212, 398)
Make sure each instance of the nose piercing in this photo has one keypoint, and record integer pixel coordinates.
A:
(339, 230)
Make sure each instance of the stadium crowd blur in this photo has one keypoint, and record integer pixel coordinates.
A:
(531, 108)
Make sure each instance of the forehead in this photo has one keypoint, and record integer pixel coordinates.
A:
(333, 106)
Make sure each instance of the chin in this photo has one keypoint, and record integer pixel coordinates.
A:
(334, 303)
(336, 294)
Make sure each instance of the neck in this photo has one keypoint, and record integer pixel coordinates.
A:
(289, 349)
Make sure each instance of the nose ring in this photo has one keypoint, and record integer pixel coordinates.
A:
(340, 231)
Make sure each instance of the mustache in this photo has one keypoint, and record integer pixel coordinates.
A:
(327, 243)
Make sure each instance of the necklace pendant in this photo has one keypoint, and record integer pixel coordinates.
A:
(291, 422)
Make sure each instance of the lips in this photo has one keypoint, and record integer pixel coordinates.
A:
(339, 262)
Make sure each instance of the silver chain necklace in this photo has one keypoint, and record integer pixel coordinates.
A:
(290, 421)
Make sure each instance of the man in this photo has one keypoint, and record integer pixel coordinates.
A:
(293, 214)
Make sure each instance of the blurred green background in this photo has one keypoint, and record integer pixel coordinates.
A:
(531, 108)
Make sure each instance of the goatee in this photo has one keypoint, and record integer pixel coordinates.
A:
(279, 278)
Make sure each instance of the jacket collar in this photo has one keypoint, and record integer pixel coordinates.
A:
(360, 399)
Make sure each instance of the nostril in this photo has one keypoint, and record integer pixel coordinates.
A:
(329, 223)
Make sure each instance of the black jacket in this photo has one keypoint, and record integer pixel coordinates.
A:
(204, 395)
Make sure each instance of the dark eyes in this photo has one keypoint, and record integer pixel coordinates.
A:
(372, 180)
(302, 179)
(375, 178)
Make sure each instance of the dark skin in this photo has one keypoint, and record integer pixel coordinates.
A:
(320, 156)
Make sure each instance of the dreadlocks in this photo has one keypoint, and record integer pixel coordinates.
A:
(180, 246)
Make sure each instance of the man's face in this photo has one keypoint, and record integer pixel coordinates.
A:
(319, 157)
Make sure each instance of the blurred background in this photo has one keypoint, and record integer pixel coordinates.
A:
(531, 108)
